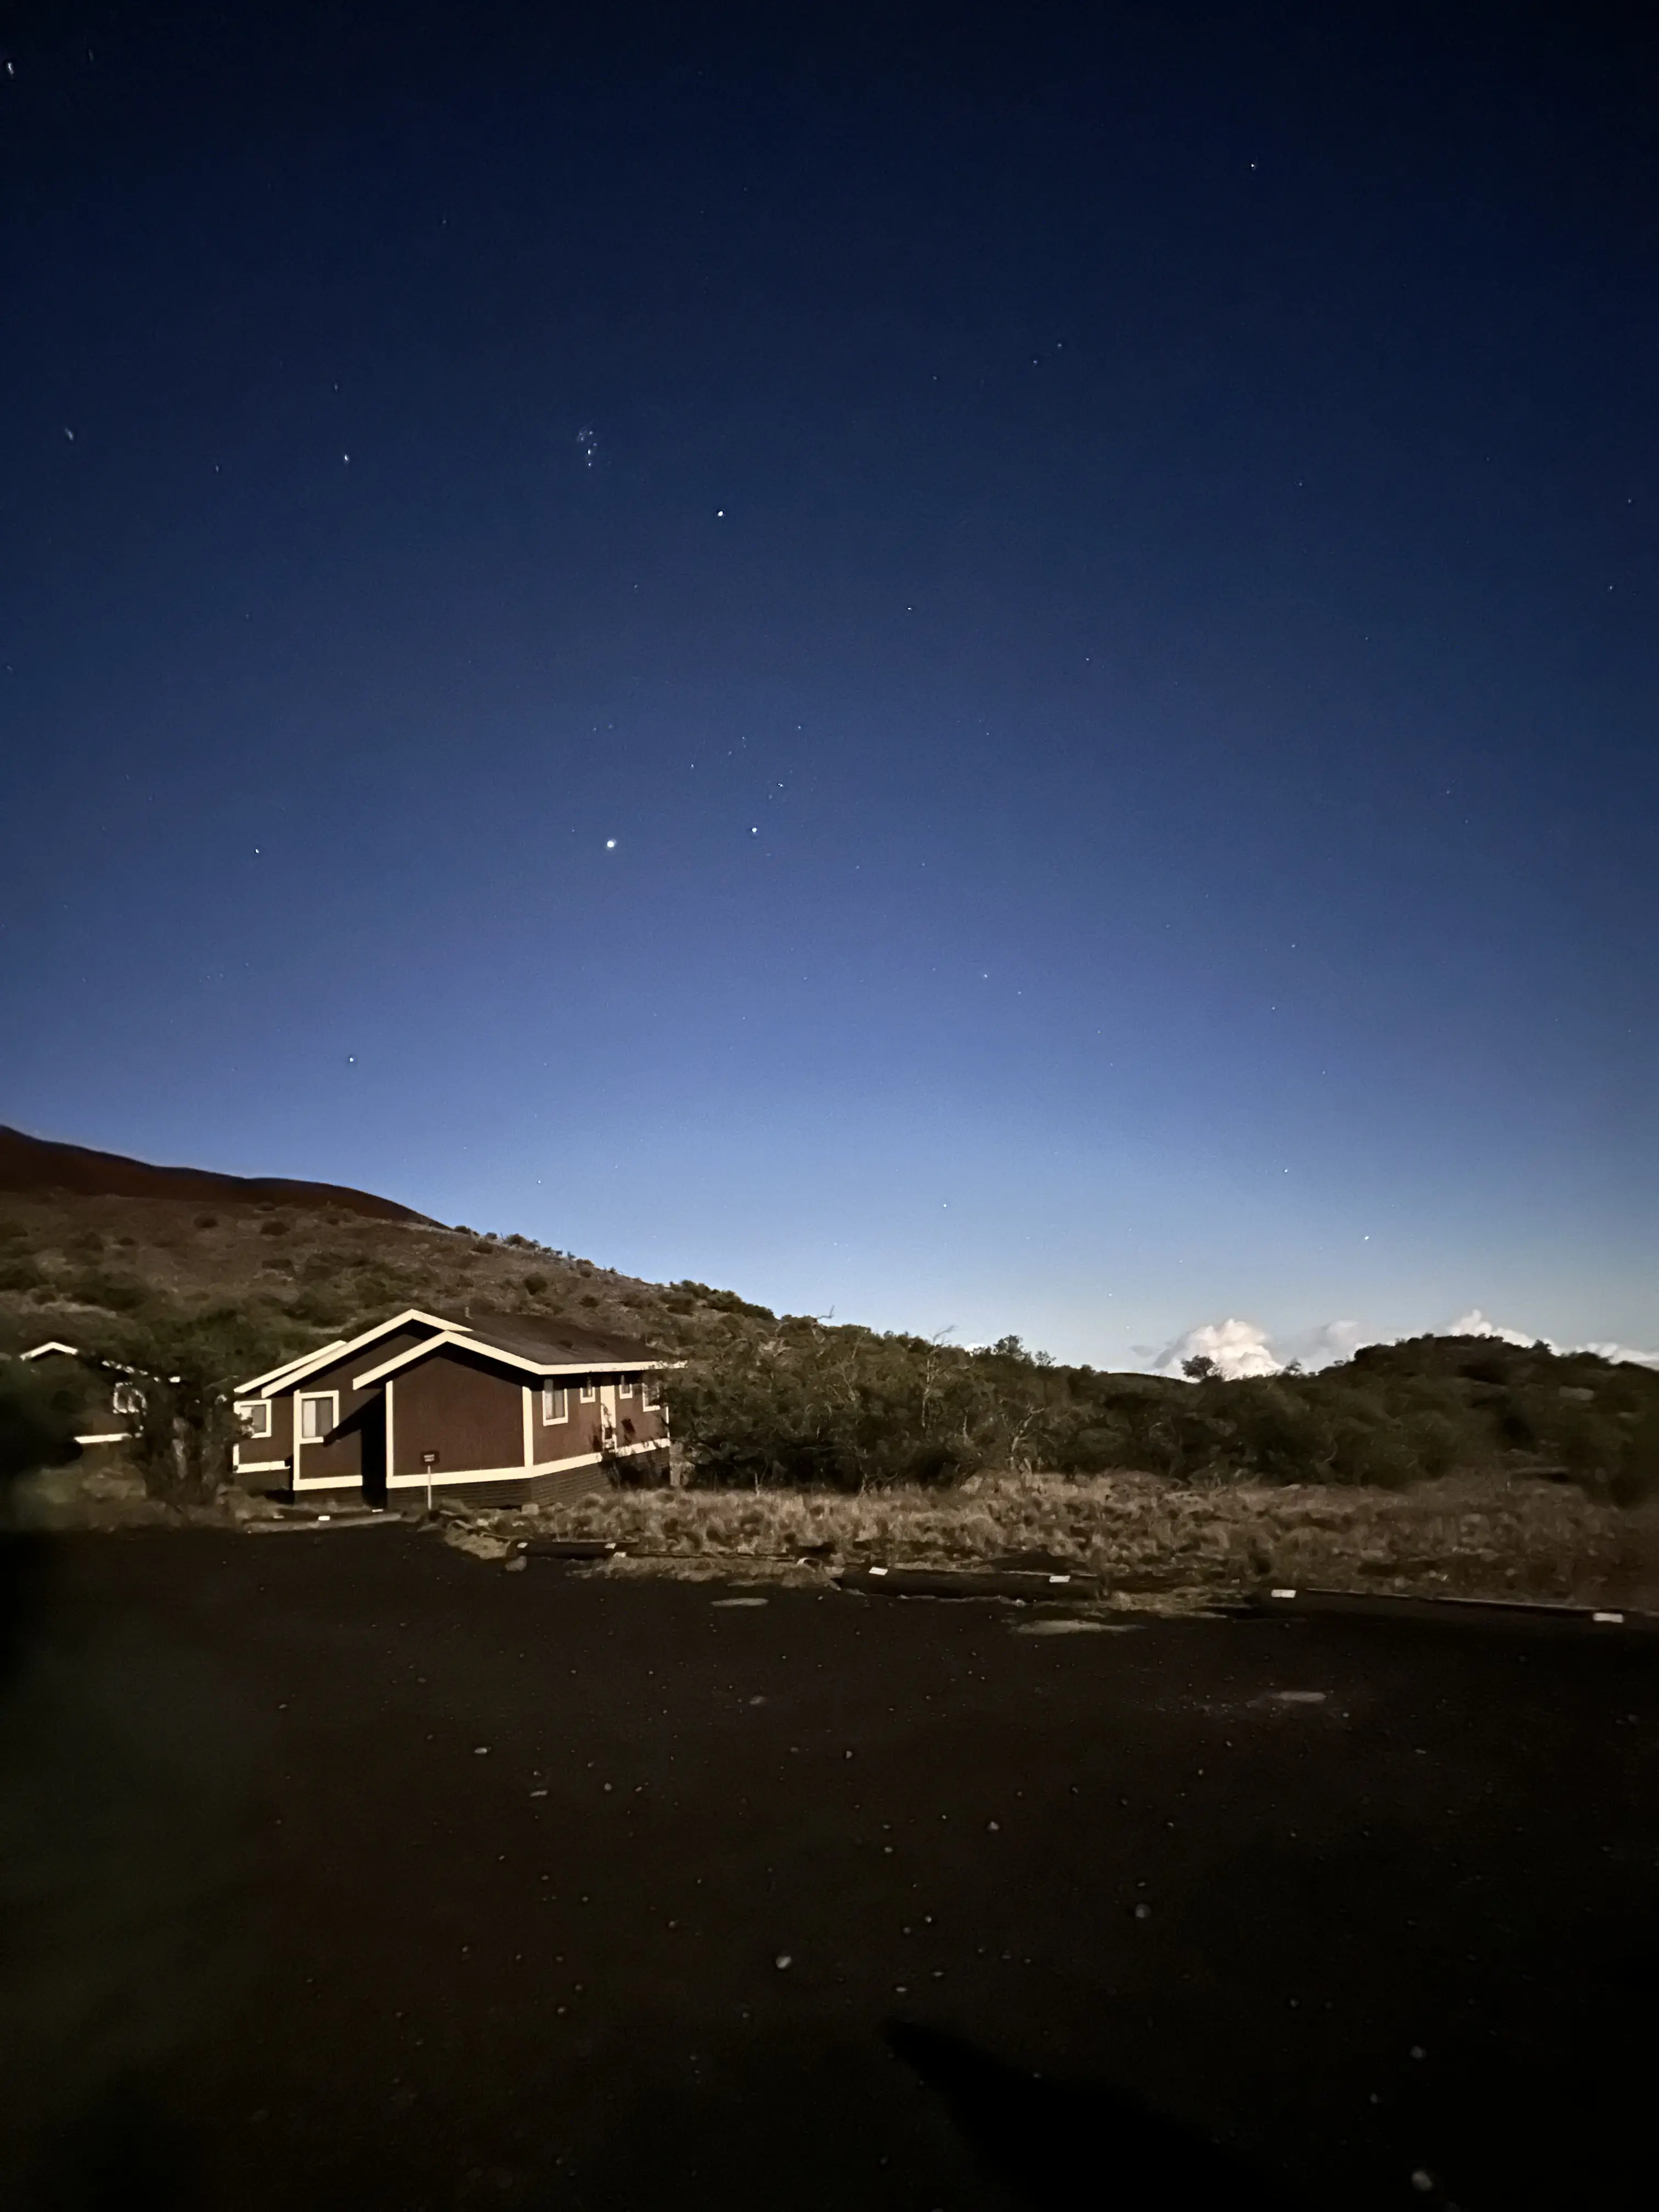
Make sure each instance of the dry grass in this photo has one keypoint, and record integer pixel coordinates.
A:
(1472, 1536)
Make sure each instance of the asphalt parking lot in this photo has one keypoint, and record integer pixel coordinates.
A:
(348, 1870)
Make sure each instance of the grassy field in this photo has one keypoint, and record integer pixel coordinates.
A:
(1153, 1544)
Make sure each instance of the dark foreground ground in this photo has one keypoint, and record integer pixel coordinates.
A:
(343, 1870)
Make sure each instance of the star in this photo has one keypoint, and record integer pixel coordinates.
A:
(609, 844)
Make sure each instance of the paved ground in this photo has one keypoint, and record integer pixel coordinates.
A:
(343, 1870)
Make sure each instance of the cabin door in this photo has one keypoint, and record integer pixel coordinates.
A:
(371, 1433)
(607, 1417)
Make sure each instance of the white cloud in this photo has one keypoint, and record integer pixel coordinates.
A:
(1241, 1350)
(1324, 1346)
(1474, 1324)
(1238, 1348)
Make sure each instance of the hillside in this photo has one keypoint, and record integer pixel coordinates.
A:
(89, 1240)
(764, 1402)
(32, 1167)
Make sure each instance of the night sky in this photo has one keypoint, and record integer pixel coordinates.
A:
(980, 669)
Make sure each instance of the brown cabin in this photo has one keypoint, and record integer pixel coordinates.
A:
(495, 1412)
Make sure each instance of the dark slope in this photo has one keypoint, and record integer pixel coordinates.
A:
(31, 1166)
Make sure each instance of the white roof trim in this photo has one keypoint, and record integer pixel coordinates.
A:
(486, 1350)
(296, 1371)
(41, 1350)
(271, 1373)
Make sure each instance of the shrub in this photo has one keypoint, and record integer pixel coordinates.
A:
(37, 1420)
(115, 1293)
(186, 1367)
(535, 1285)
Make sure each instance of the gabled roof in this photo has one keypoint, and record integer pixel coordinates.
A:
(281, 1379)
(531, 1348)
(92, 1359)
(301, 1359)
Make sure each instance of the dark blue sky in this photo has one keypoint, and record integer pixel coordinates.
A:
(1097, 566)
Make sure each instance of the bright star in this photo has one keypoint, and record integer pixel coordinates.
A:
(609, 844)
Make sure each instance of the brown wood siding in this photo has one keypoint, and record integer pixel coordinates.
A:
(584, 1423)
(470, 1414)
(343, 1453)
(636, 1424)
(279, 1444)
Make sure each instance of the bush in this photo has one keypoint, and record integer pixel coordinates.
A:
(185, 1369)
(37, 1420)
(115, 1293)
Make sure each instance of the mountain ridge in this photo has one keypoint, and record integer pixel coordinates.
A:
(35, 1166)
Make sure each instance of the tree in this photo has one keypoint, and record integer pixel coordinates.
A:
(38, 1421)
(180, 1417)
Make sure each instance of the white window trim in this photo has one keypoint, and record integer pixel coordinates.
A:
(550, 1392)
(127, 1399)
(589, 1391)
(302, 1398)
(650, 1395)
(254, 1414)
(624, 1388)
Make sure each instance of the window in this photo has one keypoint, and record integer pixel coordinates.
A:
(649, 1395)
(588, 1394)
(254, 1414)
(317, 1416)
(625, 1388)
(128, 1399)
(555, 1404)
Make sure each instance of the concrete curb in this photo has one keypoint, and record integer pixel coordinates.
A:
(563, 1547)
(944, 1581)
(1388, 1605)
(326, 1524)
